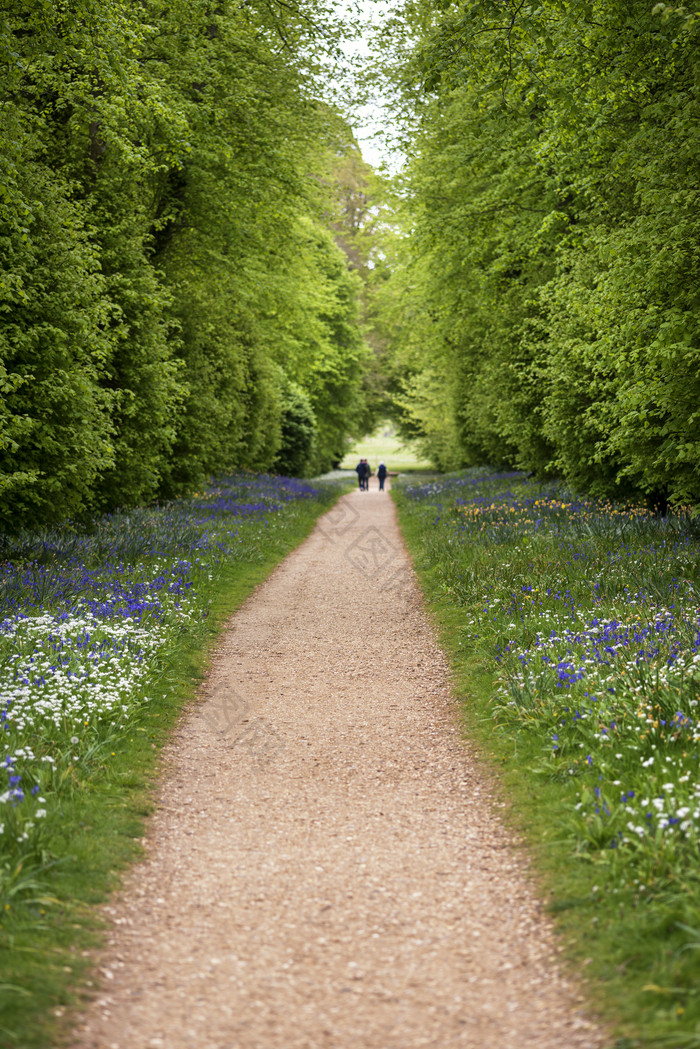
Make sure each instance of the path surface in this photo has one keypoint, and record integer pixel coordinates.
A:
(326, 868)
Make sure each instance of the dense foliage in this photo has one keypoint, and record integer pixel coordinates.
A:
(365, 206)
(551, 318)
(167, 267)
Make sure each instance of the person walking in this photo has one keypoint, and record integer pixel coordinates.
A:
(363, 471)
(381, 476)
(360, 471)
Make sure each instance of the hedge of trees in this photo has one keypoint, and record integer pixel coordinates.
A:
(549, 290)
(172, 300)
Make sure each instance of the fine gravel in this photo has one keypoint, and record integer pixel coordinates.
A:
(327, 867)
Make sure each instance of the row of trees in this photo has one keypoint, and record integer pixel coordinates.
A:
(546, 304)
(172, 298)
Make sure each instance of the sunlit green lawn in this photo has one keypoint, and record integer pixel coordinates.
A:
(385, 446)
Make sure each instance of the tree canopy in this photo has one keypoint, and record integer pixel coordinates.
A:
(199, 270)
(168, 273)
(550, 262)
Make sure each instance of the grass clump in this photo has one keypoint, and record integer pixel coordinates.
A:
(574, 630)
(104, 634)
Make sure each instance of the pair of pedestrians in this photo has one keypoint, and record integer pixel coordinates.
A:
(364, 472)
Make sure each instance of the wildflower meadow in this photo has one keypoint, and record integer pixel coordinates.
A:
(91, 623)
(575, 630)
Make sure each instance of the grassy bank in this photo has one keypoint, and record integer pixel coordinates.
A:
(574, 633)
(104, 636)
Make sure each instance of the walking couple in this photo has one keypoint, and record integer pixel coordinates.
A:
(364, 472)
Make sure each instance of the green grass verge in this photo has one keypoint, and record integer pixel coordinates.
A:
(636, 958)
(46, 943)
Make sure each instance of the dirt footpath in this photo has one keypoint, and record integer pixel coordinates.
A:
(326, 868)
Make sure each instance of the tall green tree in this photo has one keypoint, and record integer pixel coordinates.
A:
(160, 170)
(553, 213)
(55, 343)
(364, 202)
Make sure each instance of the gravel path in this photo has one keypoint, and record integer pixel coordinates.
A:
(326, 868)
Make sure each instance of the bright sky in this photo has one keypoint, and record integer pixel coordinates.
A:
(372, 118)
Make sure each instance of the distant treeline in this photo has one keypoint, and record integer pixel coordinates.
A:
(549, 313)
(172, 301)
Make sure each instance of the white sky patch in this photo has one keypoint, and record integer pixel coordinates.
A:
(371, 120)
